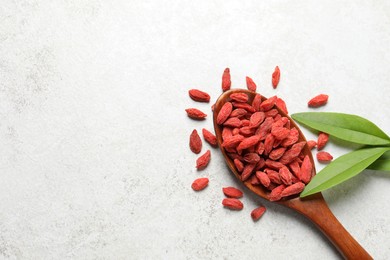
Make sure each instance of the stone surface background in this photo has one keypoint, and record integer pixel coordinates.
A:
(94, 158)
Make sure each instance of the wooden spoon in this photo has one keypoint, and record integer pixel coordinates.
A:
(313, 207)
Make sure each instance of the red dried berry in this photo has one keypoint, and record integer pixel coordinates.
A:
(232, 141)
(209, 137)
(239, 97)
(200, 184)
(248, 142)
(226, 82)
(305, 173)
(256, 119)
(276, 193)
(195, 142)
(232, 192)
(276, 77)
(238, 112)
(318, 100)
(324, 156)
(195, 113)
(239, 165)
(247, 171)
(203, 160)
(198, 95)
(311, 144)
(281, 105)
(224, 113)
(257, 213)
(256, 102)
(264, 179)
(250, 84)
(268, 104)
(234, 204)
(293, 189)
(322, 140)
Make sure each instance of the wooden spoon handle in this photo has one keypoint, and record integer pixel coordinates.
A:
(319, 213)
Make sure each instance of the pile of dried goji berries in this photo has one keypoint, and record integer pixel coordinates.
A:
(259, 140)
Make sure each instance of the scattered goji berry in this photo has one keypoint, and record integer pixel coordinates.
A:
(318, 100)
(203, 160)
(195, 142)
(195, 113)
(209, 137)
(322, 140)
(226, 82)
(198, 95)
(276, 77)
(250, 84)
(232, 203)
(324, 156)
(200, 184)
(257, 213)
(232, 192)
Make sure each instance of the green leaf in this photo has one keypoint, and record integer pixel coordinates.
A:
(343, 168)
(382, 164)
(347, 127)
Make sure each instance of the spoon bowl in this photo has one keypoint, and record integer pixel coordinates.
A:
(313, 207)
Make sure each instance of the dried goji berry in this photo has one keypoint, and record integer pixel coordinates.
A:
(233, 203)
(248, 142)
(232, 141)
(195, 142)
(256, 102)
(324, 156)
(263, 177)
(318, 100)
(311, 144)
(256, 119)
(280, 132)
(251, 158)
(274, 164)
(291, 139)
(268, 104)
(247, 171)
(238, 112)
(276, 153)
(199, 95)
(276, 77)
(226, 82)
(276, 193)
(285, 176)
(281, 105)
(274, 176)
(293, 189)
(232, 122)
(200, 184)
(224, 113)
(195, 113)
(250, 84)
(292, 153)
(239, 165)
(227, 132)
(322, 140)
(257, 213)
(209, 137)
(243, 105)
(203, 160)
(268, 144)
(232, 192)
(306, 170)
(239, 97)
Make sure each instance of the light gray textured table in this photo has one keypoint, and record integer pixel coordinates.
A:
(94, 158)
